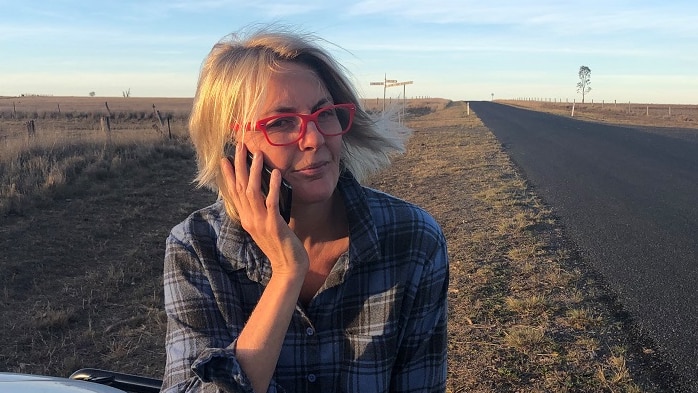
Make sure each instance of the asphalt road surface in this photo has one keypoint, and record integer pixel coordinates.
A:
(629, 200)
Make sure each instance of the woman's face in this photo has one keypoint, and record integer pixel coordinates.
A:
(310, 165)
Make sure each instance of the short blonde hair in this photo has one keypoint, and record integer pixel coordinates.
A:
(231, 89)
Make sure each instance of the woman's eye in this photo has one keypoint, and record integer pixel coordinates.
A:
(329, 112)
(282, 124)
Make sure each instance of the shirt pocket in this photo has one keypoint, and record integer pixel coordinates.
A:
(370, 348)
(368, 362)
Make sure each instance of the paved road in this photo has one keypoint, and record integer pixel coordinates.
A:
(629, 200)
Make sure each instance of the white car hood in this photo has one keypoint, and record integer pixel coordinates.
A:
(26, 383)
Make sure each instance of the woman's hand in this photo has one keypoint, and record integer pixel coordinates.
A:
(260, 341)
(260, 217)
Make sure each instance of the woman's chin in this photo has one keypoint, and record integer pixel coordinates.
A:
(316, 192)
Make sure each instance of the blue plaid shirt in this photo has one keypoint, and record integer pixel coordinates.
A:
(378, 324)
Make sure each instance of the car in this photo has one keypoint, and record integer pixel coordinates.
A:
(87, 380)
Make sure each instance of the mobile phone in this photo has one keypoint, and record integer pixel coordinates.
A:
(285, 193)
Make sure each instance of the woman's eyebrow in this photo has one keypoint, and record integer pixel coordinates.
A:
(320, 103)
(288, 109)
(283, 109)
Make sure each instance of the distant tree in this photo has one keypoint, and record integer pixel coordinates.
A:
(584, 81)
(92, 94)
(126, 93)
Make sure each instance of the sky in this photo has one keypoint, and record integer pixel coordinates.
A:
(638, 51)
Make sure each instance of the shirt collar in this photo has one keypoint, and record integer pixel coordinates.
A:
(238, 248)
(363, 236)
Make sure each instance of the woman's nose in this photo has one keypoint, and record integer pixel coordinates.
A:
(312, 137)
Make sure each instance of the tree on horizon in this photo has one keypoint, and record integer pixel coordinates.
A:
(584, 81)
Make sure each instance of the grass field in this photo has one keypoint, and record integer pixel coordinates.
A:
(654, 115)
(84, 224)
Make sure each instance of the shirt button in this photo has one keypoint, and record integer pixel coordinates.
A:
(309, 331)
(311, 378)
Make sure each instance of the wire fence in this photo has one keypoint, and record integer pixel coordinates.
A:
(675, 112)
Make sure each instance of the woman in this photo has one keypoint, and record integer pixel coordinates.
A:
(350, 294)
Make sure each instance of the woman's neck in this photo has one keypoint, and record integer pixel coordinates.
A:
(321, 222)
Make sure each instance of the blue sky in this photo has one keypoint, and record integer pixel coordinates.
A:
(639, 51)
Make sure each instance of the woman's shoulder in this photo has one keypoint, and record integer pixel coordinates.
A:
(404, 228)
(389, 210)
(201, 224)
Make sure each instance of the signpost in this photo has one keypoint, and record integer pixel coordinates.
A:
(404, 96)
(385, 86)
(391, 83)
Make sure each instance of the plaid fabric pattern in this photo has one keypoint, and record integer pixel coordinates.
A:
(378, 324)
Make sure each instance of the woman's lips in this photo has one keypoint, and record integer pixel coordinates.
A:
(312, 169)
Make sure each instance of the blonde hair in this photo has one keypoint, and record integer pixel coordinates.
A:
(231, 89)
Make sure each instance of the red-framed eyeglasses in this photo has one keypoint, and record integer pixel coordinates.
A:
(288, 128)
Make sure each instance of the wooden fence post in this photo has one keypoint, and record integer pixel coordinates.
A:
(106, 128)
(157, 115)
(14, 110)
(169, 130)
(108, 110)
(31, 130)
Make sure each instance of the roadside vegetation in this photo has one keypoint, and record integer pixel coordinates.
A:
(83, 226)
(669, 117)
(37, 172)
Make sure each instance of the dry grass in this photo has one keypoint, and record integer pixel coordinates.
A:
(71, 144)
(82, 277)
(51, 106)
(43, 169)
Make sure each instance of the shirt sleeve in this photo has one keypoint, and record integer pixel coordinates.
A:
(196, 331)
(421, 363)
(200, 342)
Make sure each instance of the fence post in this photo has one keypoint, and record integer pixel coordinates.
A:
(108, 110)
(467, 105)
(14, 110)
(31, 130)
(106, 128)
(157, 115)
(573, 108)
(169, 130)
(59, 108)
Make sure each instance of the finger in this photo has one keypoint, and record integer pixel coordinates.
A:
(229, 178)
(272, 201)
(241, 172)
(254, 183)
